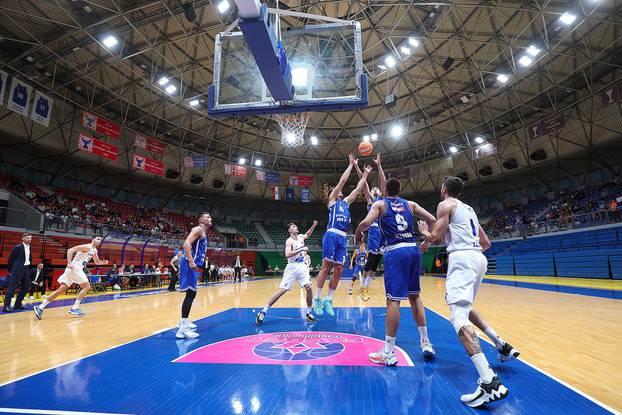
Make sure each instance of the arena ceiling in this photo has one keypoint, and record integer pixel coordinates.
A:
(450, 98)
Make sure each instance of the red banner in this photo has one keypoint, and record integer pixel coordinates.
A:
(97, 147)
(101, 125)
(150, 144)
(235, 170)
(148, 164)
(303, 181)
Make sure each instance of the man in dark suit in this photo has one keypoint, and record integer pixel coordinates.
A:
(38, 284)
(19, 274)
(237, 268)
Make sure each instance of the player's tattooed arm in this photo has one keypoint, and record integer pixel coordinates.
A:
(470, 341)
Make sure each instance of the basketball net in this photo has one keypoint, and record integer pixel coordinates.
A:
(292, 127)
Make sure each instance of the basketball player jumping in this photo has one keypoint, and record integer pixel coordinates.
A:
(296, 270)
(77, 258)
(466, 240)
(402, 264)
(374, 239)
(195, 248)
(334, 242)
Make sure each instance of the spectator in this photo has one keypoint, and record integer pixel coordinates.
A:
(19, 274)
(38, 282)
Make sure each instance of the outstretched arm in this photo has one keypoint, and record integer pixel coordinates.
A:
(383, 178)
(366, 223)
(334, 195)
(352, 196)
(366, 191)
(435, 235)
(310, 230)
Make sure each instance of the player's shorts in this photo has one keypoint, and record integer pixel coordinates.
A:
(374, 240)
(73, 276)
(465, 273)
(402, 264)
(188, 277)
(334, 246)
(295, 271)
(373, 260)
(357, 269)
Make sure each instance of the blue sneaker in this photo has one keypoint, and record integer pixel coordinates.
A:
(77, 312)
(318, 306)
(327, 303)
(38, 311)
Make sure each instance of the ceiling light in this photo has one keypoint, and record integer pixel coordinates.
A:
(30, 59)
(453, 149)
(223, 6)
(242, 160)
(479, 140)
(413, 42)
(382, 67)
(503, 78)
(163, 81)
(396, 130)
(390, 61)
(110, 41)
(366, 137)
(258, 162)
(374, 136)
(405, 50)
(194, 102)
(567, 18)
(300, 77)
(290, 138)
(313, 140)
(525, 61)
(533, 50)
(170, 89)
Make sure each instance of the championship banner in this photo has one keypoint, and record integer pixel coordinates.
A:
(42, 109)
(305, 195)
(290, 196)
(303, 181)
(261, 175)
(148, 164)
(97, 147)
(235, 170)
(150, 144)
(273, 177)
(195, 162)
(101, 125)
(612, 95)
(19, 97)
(484, 150)
(293, 180)
(400, 174)
(547, 126)
(4, 78)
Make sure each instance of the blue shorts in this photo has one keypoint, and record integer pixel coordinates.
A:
(188, 278)
(374, 240)
(334, 248)
(357, 268)
(401, 272)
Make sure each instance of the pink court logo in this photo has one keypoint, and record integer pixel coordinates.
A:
(294, 348)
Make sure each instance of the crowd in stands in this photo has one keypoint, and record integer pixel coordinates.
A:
(597, 204)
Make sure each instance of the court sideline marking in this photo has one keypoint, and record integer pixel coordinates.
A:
(52, 412)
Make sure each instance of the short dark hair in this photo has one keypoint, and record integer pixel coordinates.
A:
(393, 187)
(203, 214)
(454, 185)
(25, 234)
(290, 224)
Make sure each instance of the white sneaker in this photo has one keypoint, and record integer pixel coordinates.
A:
(485, 393)
(186, 333)
(427, 350)
(31, 298)
(116, 287)
(189, 324)
(382, 358)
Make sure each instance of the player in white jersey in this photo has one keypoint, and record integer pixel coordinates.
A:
(296, 270)
(465, 240)
(77, 258)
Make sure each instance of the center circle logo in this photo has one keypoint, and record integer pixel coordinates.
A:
(293, 346)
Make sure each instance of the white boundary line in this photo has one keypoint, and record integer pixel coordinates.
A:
(52, 412)
(544, 372)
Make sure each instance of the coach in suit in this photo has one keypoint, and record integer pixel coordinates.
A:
(19, 274)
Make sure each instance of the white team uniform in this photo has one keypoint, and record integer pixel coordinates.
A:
(296, 269)
(467, 265)
(76, 275)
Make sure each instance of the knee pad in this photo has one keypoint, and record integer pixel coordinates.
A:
(459, 315)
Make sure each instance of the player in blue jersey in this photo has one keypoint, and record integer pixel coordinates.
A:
(357, 264)
(374, 239)
(334, 242)
(194, 250)
(402, 264)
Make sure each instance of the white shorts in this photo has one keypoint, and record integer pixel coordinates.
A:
(73, 276)
(465, 273)
(295, 271)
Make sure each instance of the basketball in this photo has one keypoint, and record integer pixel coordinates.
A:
(365, 148)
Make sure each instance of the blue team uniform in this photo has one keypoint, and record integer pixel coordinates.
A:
(374, 238)
(334, 243)
(402, 258)
(359, 262)
(189, 278)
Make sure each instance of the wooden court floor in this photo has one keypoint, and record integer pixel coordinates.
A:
(575, 338)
